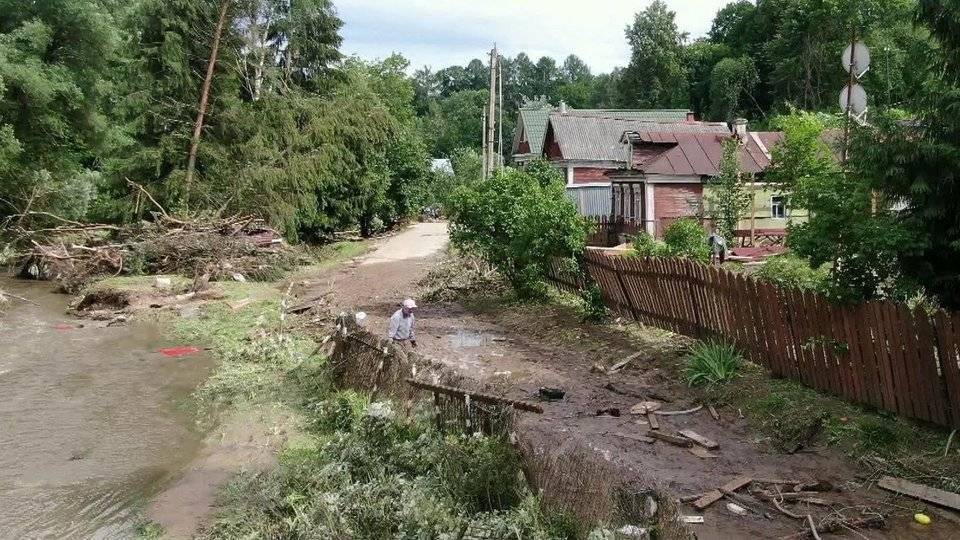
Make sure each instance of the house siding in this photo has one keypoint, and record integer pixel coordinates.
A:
(673, 201)
(591, 201)
(587, 175)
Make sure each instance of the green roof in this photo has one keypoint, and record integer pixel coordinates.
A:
(534, 121)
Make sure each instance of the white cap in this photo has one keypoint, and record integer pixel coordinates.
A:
(409, 303)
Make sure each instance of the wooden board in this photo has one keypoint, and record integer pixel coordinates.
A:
(709, 444)
(918, 491)
(716, 495)
(672, 439)
(632, 437)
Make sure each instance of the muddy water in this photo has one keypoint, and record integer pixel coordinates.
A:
(93, 420)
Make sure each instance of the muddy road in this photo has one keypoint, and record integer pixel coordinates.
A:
(518, 349)
(93, 420)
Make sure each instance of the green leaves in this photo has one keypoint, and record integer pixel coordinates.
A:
(518, 221)
(726, 196)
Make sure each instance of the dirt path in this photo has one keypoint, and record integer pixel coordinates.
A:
(520, 349)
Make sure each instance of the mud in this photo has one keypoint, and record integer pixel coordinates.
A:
(94, 420)
(519, 349)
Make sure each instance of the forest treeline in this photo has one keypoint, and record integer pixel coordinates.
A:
(99, 97)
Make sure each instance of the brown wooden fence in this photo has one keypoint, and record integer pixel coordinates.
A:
(877, 353)
(607, 230)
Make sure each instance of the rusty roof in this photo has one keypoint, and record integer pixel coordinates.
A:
(697, 154)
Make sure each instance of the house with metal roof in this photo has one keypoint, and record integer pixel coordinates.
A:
(532, 125)
(667, 173)
(589, 147)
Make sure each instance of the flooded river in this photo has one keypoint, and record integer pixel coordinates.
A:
(93, 421)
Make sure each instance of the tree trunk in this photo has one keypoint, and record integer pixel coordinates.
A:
(204, 98)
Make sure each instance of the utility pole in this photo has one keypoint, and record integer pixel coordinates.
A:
(500, 117)
(491, 114)
(484, 133)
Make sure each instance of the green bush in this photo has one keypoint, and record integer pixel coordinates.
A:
(645, 245)
(712, 362)
(518, 221)
(686, 238)
(794, 272)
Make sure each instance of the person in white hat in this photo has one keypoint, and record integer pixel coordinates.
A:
(401, 324)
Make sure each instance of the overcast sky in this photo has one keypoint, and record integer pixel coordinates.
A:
(440, 33)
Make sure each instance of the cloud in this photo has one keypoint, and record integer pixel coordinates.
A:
(442, 33)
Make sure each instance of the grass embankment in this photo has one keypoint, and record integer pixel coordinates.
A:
(348, 468)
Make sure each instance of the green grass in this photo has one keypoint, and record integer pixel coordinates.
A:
(149, 530)
(370, 472)
(711, 363)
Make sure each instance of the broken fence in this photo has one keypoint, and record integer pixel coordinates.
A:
(877, 353)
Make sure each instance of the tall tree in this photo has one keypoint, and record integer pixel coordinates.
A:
(656, 76)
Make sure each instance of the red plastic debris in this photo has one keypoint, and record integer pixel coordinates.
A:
(176, 352)
(63, 327)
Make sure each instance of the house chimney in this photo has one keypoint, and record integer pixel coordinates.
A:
(563, 107)
(691, 116)
(739, 128)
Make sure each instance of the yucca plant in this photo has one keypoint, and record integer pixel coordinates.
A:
(712, 362)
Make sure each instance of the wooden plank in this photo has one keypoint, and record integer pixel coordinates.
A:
(918, 491)
(808, 368)
(709, 444)
(675, 440)
(860, 326)
(947, 329)
(898, 362)
(919, 395)
(863, 385)
(774, 316)
(476, 396)
(652, 420)
(938, 407)
(713, 496)
(882, 356)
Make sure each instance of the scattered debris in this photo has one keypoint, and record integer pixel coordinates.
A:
(672, 439)
(918, 491)
(621, 364)
(638, 438)
(713, 412)
(737, 509)
(239, 304)
(4, 295)
(117, 321)
(702, 452)
(63, 327)
(652, 420)
(677, 413)
(836, 523)
(597, 368)
(633, 532)
(922, 519)
(162, 283)
(645, 407)
(644, 394)
(813, 527)
(550, 394)
(691, 519)
(609, 411)
(476, 396)
(713, 496)
(709, 444)
(176, 352)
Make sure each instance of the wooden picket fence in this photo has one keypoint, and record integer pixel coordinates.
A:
(877, 353)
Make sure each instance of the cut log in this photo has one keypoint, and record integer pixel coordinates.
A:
(918, 491)
(652, 419)
(715, 495)
(713, 412)
(709, 444)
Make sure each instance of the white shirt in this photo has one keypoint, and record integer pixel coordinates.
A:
(401, 327)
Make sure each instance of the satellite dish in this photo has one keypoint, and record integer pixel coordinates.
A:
(858, 99)
(861, 58)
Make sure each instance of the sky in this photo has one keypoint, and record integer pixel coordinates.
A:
(440, 33)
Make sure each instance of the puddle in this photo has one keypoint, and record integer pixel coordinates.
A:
(93, 420)
(468, 339)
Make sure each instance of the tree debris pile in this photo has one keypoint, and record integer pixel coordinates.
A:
(460, 275)
(74, 253)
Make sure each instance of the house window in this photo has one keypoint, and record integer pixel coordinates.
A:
(778, 207)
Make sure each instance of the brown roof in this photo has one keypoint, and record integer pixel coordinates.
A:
(696, 154)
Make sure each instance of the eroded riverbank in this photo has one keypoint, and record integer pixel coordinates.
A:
(94, 420)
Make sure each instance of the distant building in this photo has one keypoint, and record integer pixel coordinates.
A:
(444, 166)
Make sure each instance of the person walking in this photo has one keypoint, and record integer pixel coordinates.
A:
(402, 323)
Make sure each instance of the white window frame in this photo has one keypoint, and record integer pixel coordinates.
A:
(783, 205)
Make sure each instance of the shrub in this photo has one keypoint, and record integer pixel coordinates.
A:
(592, 306)
(794, 272)
(712, 362)
(518, 221)
(685, 238)
(645, 245)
